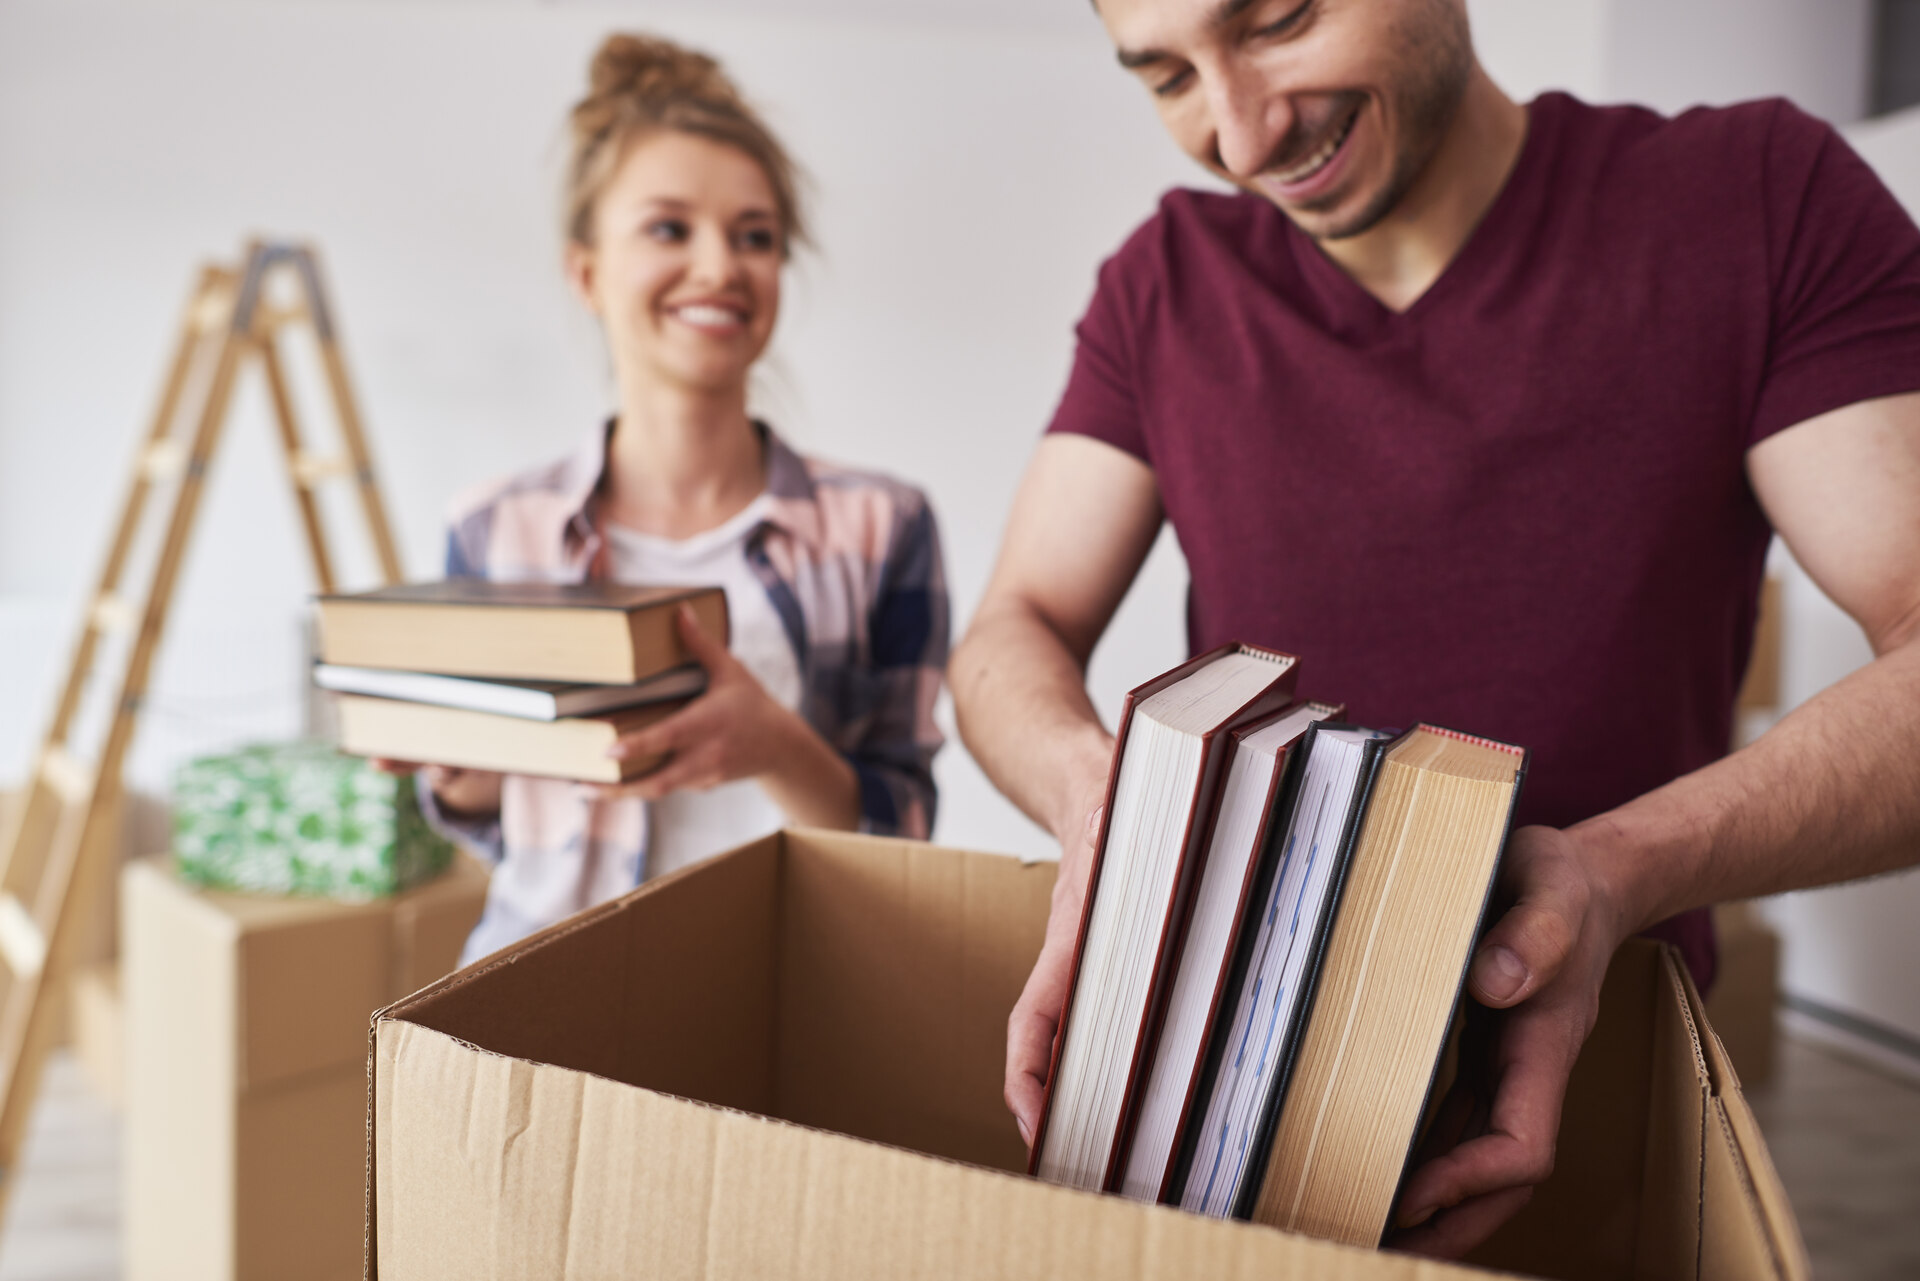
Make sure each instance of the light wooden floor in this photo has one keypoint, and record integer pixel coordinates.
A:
(1846, 1138)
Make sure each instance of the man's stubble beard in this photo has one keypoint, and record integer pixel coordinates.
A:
(1437, 57)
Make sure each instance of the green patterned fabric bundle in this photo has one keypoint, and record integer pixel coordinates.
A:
(300, 818)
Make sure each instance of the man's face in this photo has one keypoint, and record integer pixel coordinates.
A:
(1328, 108)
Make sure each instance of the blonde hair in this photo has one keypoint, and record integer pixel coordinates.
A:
(640, 84)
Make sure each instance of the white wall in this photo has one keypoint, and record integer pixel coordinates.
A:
(969, 182)
(975, 159)
(1854, 947)
(1674, 55)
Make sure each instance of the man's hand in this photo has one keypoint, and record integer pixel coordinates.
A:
(1036, 1015)
(1540, 967)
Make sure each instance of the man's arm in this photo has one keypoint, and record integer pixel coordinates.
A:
(1083, 521)
(1826, 795)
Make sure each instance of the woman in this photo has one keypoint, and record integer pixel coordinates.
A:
(681, 212)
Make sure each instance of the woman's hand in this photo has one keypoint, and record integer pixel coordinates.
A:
(461, 793)
(736, 730)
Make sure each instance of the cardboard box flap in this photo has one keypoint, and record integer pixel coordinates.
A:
(899, 962)
(526, 1169)
(1583, 1222)
(1747, 1226)
(672, 993)
(566, 1107)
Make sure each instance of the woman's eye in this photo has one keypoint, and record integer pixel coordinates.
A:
(1173, 84)
(668, 231)
(759, 239)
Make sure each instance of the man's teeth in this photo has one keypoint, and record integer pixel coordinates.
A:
(697, 314)
(1314, 163)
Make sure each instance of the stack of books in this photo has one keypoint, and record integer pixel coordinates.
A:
(1278, 924)
(523, 678)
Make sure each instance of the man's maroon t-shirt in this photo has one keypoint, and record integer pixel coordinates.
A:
(1519, 508)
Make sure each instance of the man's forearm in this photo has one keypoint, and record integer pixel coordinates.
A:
(1830, 793)
(1021, 700)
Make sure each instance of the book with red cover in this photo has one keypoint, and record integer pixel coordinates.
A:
(1273, 693)
(1237, 864)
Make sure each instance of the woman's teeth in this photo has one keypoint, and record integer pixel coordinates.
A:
(699, 314)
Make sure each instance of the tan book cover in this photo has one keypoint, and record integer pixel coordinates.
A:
(595, 633)
(573, 747)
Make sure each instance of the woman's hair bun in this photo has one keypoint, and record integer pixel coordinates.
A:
(651, 71)
(638, 84)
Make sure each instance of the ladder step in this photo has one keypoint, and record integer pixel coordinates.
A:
(214, 310)
(164, 459)
(22, 944)
(267, 319)
(311, 469)
(112, 613)
(69, 776)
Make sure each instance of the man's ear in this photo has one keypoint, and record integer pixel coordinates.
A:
(579, 265)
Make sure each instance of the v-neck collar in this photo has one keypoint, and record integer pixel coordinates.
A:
(1350, 307)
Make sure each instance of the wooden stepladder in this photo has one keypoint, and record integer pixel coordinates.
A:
(58, 850)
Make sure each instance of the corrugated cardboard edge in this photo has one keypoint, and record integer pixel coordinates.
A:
(460, 978)
(1765, 1196)
(1234, 1249)
(1035, 1226)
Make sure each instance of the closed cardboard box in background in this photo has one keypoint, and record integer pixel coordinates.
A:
(245, 1027)
(787, 1062)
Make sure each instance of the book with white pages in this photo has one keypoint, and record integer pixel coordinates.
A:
(1167, 769)
(529, 700)
(1257, 795)
(1273, 976)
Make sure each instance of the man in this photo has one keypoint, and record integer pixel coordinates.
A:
(1487, 411)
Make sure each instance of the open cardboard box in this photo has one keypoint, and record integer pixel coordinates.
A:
(786, 1062)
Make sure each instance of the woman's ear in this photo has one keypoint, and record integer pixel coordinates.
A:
(579, 265)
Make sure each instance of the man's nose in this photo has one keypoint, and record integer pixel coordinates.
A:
(1250, 120)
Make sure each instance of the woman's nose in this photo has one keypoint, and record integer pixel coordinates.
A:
(714, 258)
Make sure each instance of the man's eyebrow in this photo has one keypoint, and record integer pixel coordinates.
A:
(1223, 13)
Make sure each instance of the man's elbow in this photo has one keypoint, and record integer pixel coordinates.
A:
(1901, 630)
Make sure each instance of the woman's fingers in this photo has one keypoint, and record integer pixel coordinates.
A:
(708, 650)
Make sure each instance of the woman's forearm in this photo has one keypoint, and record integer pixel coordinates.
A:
(812, 783)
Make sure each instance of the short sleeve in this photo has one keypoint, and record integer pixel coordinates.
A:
(1100, 400)
(1844, 262)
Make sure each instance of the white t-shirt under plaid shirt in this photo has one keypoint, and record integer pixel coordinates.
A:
(688, 826)
(849, 564)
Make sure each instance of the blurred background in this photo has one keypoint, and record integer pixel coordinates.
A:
(972, 163)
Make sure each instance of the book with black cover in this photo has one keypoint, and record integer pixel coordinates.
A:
(1418, 886)
(1286, 1039)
